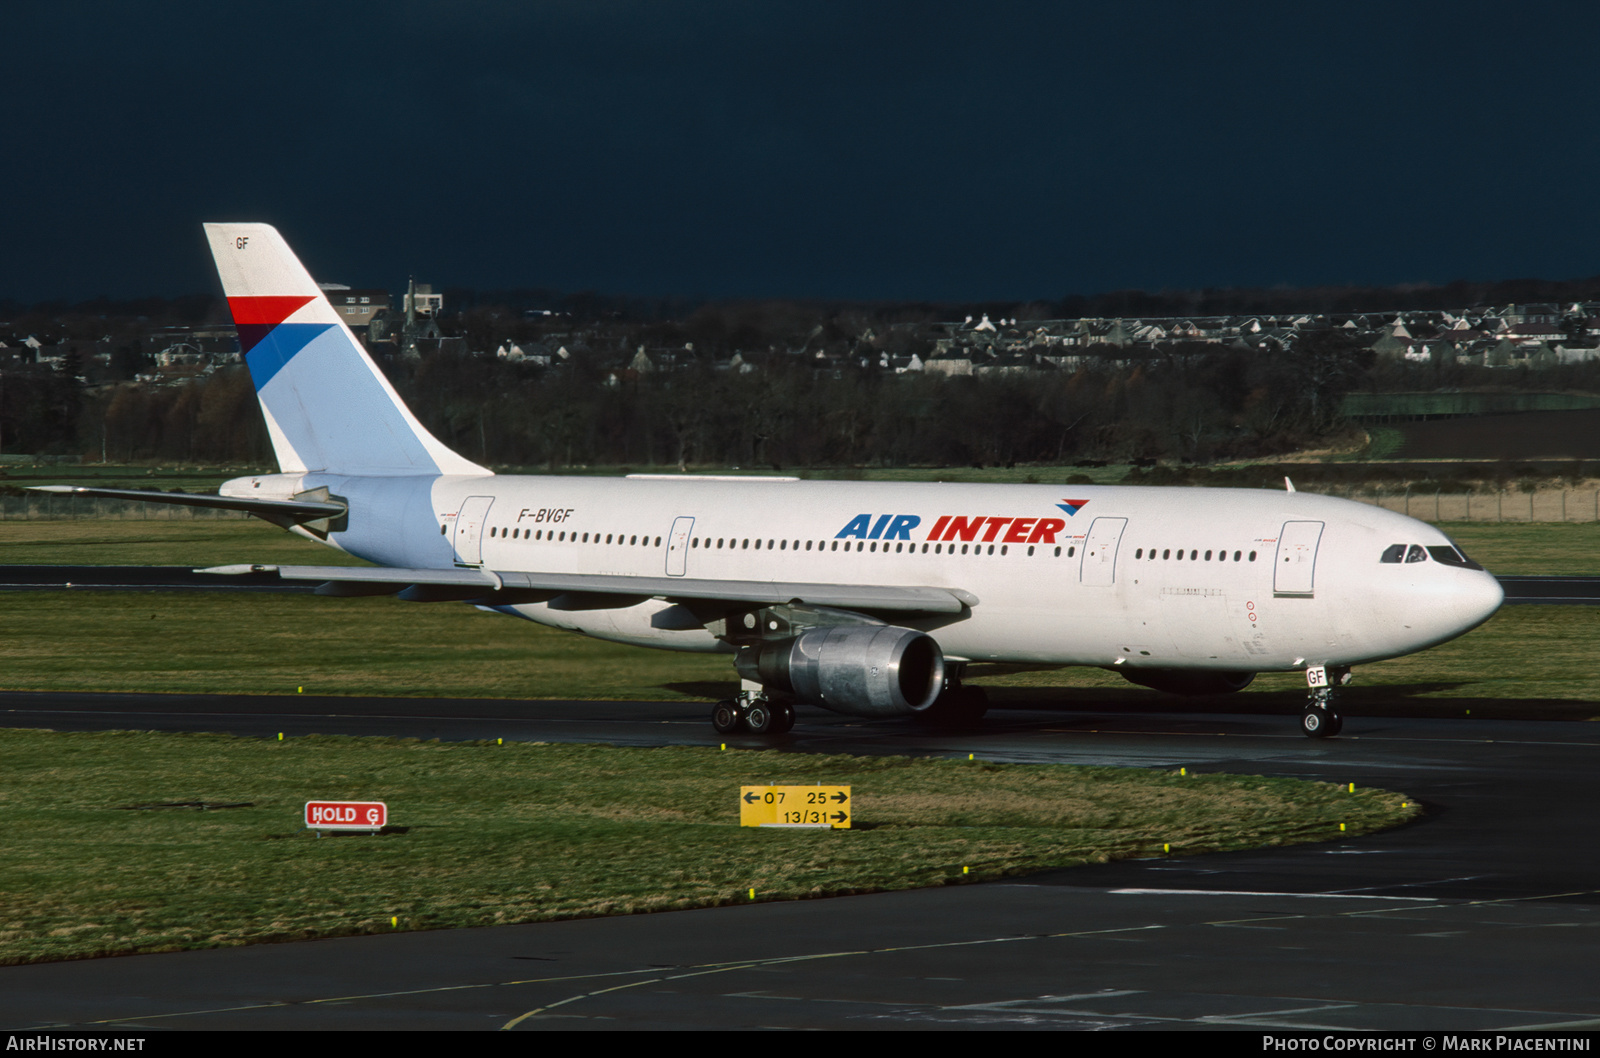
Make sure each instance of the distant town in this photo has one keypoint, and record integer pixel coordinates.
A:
(531, 380)
(415, 324)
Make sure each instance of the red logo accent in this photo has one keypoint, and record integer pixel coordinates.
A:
(266, 311)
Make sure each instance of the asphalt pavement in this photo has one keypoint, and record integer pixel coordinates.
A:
(1478, 916)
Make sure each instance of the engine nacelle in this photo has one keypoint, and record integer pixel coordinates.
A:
(1189, 682)
(870, 670)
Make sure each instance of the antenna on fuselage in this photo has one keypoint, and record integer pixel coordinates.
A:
(1288, 485)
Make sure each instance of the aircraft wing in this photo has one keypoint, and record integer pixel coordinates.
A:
(601, 590)
(281, 512)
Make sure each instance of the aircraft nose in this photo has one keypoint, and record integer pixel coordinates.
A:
(1477, 600)
(1440, 608)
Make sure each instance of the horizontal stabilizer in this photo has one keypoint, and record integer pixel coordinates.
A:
(629, 590)
(282, 512)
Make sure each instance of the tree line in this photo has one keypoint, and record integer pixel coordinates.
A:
(1189, 403)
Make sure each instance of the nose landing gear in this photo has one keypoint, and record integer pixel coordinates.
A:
(1321, 718)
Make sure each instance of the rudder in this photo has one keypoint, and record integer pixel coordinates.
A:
(326, 404)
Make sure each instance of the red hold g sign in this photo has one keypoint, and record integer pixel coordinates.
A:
(346, 815)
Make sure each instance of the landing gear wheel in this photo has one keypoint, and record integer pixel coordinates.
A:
(759, 718)
(726, 718)
(782, 718)
(1320, 723)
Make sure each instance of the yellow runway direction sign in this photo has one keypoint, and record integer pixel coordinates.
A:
(795, 806)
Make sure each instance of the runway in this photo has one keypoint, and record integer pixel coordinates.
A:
(1480, 916)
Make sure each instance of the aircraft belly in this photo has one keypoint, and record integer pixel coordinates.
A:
(652, 623)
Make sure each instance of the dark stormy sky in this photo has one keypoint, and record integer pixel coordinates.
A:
(853, 150)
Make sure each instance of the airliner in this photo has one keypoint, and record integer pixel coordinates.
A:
(866, 598)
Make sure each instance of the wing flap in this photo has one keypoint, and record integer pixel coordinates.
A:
(628, 590)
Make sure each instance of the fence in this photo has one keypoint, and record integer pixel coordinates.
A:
(1545, 505)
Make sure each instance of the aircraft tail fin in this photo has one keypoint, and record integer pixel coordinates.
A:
(327, 405)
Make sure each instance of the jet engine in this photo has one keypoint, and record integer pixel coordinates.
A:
(1189, 682)
(870, 670)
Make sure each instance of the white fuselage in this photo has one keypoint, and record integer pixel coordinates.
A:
(1088, 575)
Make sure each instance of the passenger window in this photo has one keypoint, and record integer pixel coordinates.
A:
(1416, 554)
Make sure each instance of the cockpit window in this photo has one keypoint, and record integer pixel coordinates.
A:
(1394, 553)
(1415, 553)
(1452, 556)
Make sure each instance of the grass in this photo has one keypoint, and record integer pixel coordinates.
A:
(1384, 441)
(530, 832)
(119, 542)
(271, 644)
(199, 478)
(1538, 548)
(193, 477)
(1486, 672)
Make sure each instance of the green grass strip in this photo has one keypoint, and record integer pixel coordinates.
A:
(531, 832)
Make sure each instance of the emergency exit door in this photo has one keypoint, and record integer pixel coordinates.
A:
(678, 546)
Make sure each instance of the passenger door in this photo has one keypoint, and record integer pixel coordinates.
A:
(468, 538)
(1294, 569)
(1099, 564)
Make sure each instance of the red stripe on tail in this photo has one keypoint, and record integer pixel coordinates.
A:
(266, 311)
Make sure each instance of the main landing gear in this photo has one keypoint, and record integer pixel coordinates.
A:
(1321, 718)
(752, 712)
